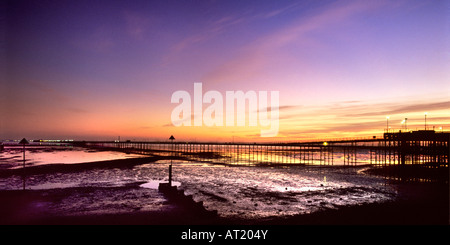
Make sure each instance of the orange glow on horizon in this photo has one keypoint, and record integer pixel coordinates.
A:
(340, 68)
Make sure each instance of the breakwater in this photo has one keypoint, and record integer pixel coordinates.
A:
(425, 148)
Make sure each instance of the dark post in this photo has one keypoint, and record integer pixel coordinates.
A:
(170, 166)
(170, 174)
(23, 142)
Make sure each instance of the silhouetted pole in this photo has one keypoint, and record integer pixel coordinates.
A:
(23, 142)
(406, 126)
(170, 173)
(170, 166)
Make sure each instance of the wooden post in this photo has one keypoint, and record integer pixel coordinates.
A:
(23, 142)
(170, 173)
(23, 155)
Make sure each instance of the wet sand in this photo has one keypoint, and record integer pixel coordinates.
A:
(65, 168)
(416, 203)
(25, 207)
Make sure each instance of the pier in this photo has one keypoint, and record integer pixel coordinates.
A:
(424, 147)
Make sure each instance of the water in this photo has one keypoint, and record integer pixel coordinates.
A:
(234, 190)
(253, 154)
(258, 192)
(12, 157)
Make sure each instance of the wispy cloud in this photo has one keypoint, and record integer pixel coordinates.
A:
(137, 24)
(361, 110)
(208, 32)
(220, 25)
(279, 108)
(282, 10)
(402, 109)
(256, 56)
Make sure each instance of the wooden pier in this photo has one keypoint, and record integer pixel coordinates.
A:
(427, 148)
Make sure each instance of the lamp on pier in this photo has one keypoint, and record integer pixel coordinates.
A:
(24, 142)
(406, 126)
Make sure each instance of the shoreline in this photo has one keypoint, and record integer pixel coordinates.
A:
(77, 167)
(416, 203)
(23, 208)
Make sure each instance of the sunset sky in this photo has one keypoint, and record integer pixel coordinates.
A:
(96, 70)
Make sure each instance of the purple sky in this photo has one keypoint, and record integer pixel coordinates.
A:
(100, 69)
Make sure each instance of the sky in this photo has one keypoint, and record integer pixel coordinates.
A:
(97, 70)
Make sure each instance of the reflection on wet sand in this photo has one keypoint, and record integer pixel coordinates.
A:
(246, 194)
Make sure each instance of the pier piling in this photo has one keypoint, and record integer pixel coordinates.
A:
(425, 147)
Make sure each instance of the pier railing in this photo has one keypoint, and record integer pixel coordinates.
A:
(427, 148)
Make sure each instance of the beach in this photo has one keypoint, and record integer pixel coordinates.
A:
(225, 113)
(124, 191)
(32, 207)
